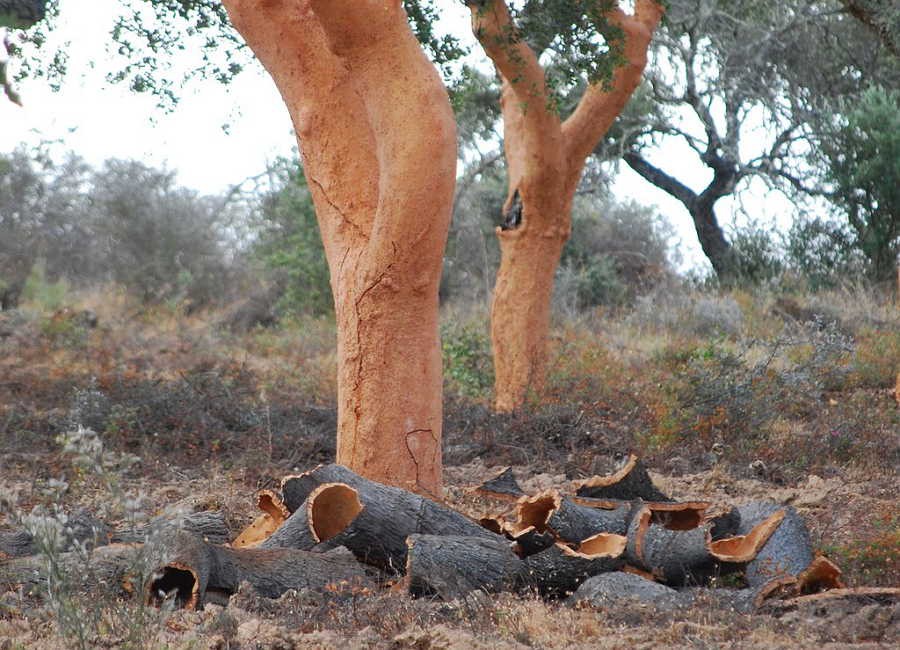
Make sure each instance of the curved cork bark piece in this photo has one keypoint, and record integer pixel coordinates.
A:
(559, 570)
(630, 482)
(502, 487)
(610, 589)
(573, 522)
(196, 567)
(274, 513)
(451, 567)
(860, 595)
(674, 556)
(534, 511)
(377, 535)
(743, 548)
(786, 553)
(327, 511)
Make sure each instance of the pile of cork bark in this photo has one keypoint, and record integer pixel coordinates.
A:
(616, 536)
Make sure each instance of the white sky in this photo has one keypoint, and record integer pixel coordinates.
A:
(97, 121)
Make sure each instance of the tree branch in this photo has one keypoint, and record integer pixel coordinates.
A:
(515, 60)
(661, 179)
(599, 107)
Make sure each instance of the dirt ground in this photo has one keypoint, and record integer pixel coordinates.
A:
(834, 509)
(186, 414)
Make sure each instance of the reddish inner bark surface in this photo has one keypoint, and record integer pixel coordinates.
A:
(353, 77)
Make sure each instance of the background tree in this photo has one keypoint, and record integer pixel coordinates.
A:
(733, 81)
(863, 167)
(545, 155)
(288, 241)
(160, 241)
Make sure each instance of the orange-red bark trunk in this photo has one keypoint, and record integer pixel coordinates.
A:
(378, 142)
(545, 159)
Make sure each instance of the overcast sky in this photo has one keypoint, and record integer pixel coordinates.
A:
(98, 121)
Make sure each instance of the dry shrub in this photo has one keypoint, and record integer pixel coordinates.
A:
(875, 559)
(877, 358)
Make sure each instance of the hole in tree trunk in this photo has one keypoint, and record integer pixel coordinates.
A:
(175, 582)
(512, 216)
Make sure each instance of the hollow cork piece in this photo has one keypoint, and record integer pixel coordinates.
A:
(559, 570)
(451, 567)
(327, 511)
(195, 567)
(503, 487)
(274, 513)
(630, 482)
(668, 551)
(377, 535)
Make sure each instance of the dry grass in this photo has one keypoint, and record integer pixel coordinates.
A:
(217, 416)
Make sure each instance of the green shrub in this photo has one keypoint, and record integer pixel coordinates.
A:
(42, 293)
(468, 367)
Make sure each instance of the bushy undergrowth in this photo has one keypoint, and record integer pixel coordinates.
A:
(801, 383)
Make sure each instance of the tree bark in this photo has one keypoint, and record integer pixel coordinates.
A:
(352, 75)
(451, 567)
(21, 14)
(195, 567)
(545, 159)
(701, 207)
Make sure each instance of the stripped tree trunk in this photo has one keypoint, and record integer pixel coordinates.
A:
(545, 158)
(352, 74)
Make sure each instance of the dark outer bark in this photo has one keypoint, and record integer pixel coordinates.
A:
(295, 532)
(378, 534)
(608, 590)
(451, 567)
(326, 512)
(701, 207)
(116, 567)
(787, 553)
(87, 529)
(296, 489)
(195, 567)
(529, 542)
(81, 527)
(636, 484)
(574, 523)
(676, 557)
(208, 525)
(21, 14)
(503, 487)
(817, 602)
(554, 573)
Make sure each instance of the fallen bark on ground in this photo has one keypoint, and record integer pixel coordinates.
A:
(549, 543)
(196, 567)
(451, 567)
(631, 482)
(503, 487)
(559, 570)
(573, 522)
(377, 533)
(85, 529)
(328, 510)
